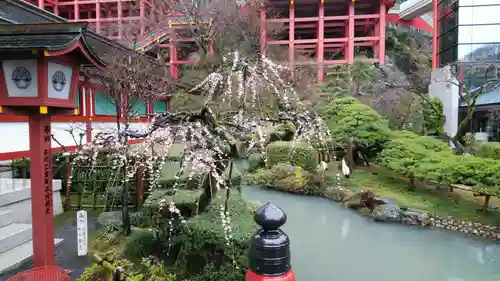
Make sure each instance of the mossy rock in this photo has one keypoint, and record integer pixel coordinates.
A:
(293, 153)
(282, 132)
(338, 194)
(365, 211)
(256, 161)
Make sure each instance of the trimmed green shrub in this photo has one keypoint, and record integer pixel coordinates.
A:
(293, 153)
(290, 179)
(349, 119)
(489, 150)
(114, 196)
(201, 245)
(403, 135)
(429, 158)
(140, 219)
(256, 161)
(140, 243)
(433, 117)
(282, 132)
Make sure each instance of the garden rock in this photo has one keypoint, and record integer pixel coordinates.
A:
(110, 218)
(415, 217)
(360, 199)
(387, 213)
(338, 194)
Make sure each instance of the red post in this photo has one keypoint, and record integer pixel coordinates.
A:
(41, 190)
(263, 32)
(435, 34)
(320, 51)
(173, 57)
(140, 186)
(382, 29)
(291, 37)
(67, 178)
(350, 37)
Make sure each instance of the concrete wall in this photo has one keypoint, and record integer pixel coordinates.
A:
(15, 196)
(444, 86)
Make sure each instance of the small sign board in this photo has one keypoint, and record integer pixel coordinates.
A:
(82, 232)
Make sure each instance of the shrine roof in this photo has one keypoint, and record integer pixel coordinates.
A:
(17, 12)
(45, 36)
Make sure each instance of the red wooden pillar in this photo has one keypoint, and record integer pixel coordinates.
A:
(41, 190)
(375, 32)
(142, 15)
(173, 55)
(76, 10)
(320, 46)
(291, 37)
(41, 4)
(169, 105)
(212, 48)
(120, 20)
(435, 35)
(382, 30)
(263, 32)
(350, 37)
(89, 110)
(98, 17)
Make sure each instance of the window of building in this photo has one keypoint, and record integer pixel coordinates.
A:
(103, 104)
(138, 109)
(159, 106)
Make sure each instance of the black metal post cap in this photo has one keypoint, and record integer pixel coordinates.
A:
(270, 247)
(270, 216)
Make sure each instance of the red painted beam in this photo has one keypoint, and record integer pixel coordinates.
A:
(416, 22)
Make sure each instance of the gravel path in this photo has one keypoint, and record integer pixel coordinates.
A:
(66, 253)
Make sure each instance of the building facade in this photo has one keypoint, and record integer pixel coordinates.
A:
(468, 31)
(468, 37)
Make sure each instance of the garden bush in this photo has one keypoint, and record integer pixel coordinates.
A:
(429, 158)
(293, 153)
(255, 161)
(290, 179)
(282, 132)
(140, 243)
(202, 248)
(114, 196)
(349, 119)
(489, 150)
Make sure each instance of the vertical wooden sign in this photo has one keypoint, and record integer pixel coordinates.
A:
(82, 232)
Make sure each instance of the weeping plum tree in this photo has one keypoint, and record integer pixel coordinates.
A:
(129, 80)
(210, 142)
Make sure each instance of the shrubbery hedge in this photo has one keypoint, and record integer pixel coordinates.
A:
(429, 158)
(293, 153)
(290, 179)
(350, 120)
(489, 150)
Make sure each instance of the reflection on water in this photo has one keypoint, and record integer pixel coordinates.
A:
(330, 243)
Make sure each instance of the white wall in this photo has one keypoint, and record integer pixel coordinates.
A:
(16, 135)
(444, 86)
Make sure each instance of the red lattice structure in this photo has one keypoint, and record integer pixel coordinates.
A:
(330, 32)
(47, 273)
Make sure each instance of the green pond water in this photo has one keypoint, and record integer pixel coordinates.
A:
(330, 243)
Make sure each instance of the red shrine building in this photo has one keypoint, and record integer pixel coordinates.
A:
(326, 32)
